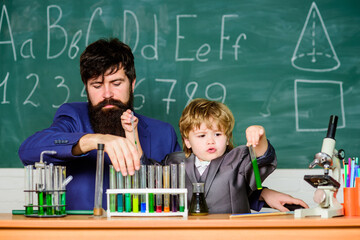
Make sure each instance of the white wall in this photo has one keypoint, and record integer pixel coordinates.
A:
(289, 181)
(11, 189)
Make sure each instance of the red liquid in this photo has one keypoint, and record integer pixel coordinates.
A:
(159, 209)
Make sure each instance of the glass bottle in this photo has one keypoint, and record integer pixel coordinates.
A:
(198, 206)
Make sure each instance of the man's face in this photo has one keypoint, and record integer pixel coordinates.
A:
(114, 86)
(109, 98)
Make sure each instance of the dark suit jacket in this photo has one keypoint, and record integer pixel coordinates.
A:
(230, 180)
(70, 123)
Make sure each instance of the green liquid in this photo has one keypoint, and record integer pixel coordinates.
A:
(29, 210)
(127, 202)
(257, 174)
(181, 208)
(49, 209)
(198, 206)
(62, 202)
(112, 203)
(151, 202)
(41, 203)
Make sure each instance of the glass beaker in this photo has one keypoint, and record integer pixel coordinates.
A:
(198, 206)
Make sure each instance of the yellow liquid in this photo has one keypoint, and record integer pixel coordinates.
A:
(136, 203)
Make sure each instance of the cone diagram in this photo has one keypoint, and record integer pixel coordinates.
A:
(314, 50)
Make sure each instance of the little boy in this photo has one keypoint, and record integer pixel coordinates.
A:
(210, 157)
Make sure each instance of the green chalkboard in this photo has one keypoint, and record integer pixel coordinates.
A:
(286, 65)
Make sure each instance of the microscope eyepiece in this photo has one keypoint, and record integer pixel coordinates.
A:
(332, 127)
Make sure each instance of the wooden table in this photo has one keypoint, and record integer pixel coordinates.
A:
(217, 226)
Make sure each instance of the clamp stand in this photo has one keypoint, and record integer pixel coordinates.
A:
(327, 186)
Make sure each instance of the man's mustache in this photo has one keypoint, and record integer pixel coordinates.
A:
(111, 101)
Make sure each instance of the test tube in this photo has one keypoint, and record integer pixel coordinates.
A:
(62, 179)
(29, 181)
(151, 181)
(135, 184)
(57, 188)
(112, 185)
(255, 167)
(143, 185)
(166, 184)
(182, 185)
(120, 197)
(158, 183)
(40, 188)
(128, 195)
(99, 178)
(174, 180)
(49, 183)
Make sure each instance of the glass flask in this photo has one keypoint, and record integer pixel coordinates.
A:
(198, 206)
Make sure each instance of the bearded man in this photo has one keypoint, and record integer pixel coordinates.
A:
(108, 72)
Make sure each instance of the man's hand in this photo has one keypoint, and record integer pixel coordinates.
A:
(277, 200)
(126, 121)
(121, 151)
(130, 124)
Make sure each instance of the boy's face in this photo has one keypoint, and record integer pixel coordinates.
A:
(207, 144)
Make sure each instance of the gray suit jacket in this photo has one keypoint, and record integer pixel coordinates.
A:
(230, 179)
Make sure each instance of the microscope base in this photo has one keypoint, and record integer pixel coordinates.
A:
(323, 212)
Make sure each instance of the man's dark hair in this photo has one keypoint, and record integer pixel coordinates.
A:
(105, 54)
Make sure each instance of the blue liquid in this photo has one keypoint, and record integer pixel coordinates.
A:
(143, 207)
(120, 203)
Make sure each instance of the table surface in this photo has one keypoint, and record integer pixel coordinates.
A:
(8, 220)
(215, 226)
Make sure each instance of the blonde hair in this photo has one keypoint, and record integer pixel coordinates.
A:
(200, 111)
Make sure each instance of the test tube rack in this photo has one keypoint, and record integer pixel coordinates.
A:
(147, 191)
(45, 190)
(44, 210)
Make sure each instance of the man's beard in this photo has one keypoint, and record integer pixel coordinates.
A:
(108, 121)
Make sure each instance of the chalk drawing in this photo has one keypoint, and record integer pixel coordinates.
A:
(339, 83)
(314, 51)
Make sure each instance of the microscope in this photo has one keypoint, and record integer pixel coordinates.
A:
(327, 185)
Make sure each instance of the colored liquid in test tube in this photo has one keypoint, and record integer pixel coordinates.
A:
(40, 188)
(151, 184)
(135, 184)
(166, 184)
(29, 187)
(63, 188)
(128, 195)
(143, 185)
(49, 183)
(255, 167)
(182, 185)
(112, 185)
(57, 188)
(174, 180)
(158, 184)
(120, 197)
